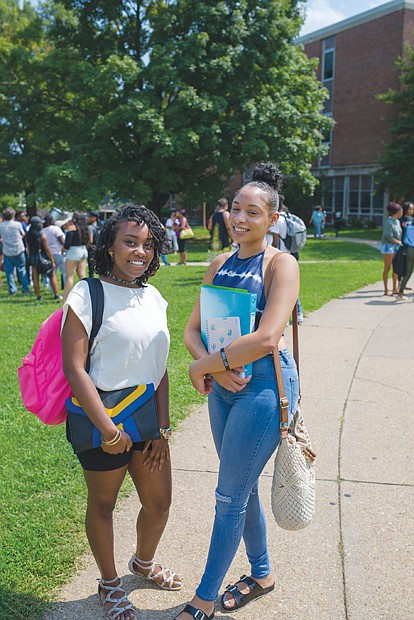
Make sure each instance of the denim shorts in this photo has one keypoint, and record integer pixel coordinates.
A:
(77, 253)
(389, 248)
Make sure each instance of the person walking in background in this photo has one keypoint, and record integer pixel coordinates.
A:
(245, 412)
(180, 224)
(21, 217)
(406, 217)
(409, 244)
(219, 227)
(390, 242)
(56, 240)
(14, 253)
(130, 348)
(276, 235)
(37, 242)
(76, 242)
(94, 230)
(165, 260)
(317, 220)
(337, 222)
(169, 225)
(323, 225)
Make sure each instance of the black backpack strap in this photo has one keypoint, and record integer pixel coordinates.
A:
(97, 300)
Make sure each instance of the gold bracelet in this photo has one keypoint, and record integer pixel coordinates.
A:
(115, 440)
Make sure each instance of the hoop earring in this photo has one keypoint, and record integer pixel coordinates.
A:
(111, 254)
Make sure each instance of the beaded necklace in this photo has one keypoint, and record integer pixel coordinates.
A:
(121, 280)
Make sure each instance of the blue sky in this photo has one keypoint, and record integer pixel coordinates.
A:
(321, 13)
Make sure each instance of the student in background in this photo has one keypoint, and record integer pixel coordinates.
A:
(180, 224)
(390, 242)
(37, 241)
(14, 253)
(276, 234)
(220, 233)
(76, 245)
(409, 243)
(56, 239)
(169, 226)
(406, 217)
(318, 220)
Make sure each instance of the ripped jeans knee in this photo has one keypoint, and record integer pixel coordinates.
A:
(230, 508)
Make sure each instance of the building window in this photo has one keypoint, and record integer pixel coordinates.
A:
(328, 65)
(328, 70)
(355, 195)
(324, 162)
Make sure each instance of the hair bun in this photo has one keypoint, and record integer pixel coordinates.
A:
(268, 173)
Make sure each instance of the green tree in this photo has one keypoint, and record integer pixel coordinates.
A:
(20, 46)
(141, 99)
(397, 165)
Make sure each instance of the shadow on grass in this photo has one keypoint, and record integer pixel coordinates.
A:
(14, 606)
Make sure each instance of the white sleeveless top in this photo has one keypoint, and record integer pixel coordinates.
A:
(131, 347)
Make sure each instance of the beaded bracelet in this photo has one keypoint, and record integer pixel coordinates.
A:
(224, 358)
(115, 440)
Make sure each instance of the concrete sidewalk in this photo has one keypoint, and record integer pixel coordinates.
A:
(355, 561)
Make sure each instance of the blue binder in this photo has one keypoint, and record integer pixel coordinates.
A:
(221, 301)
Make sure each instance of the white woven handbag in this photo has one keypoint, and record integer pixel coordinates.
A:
(293, 486)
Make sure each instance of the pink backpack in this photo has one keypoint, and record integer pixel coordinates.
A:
(43, 385)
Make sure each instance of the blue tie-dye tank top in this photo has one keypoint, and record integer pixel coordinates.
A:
(246, 273)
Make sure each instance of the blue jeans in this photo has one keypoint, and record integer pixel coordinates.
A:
(246, 432)
(10, 264)
(300, 311)
(317, 229)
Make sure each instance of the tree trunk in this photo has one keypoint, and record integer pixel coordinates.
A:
(158, 200)
(31, 205)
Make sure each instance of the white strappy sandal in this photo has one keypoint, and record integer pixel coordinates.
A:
(115, 610)
(153, 574)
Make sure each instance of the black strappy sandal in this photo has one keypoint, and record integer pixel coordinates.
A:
(196, 613)
(255, 591)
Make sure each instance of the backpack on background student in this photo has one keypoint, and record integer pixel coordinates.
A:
(295, 233)
(43, 385)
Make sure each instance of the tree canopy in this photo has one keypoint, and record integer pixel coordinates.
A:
(139, 99)
(397, 166)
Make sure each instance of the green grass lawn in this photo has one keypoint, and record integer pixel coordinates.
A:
(41, 484)
(374, 234)
(315, 249)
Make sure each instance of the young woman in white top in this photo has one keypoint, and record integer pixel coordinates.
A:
(130, 348)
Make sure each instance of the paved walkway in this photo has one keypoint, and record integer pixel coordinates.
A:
(355, 561)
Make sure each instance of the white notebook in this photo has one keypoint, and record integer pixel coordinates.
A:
(221, 332)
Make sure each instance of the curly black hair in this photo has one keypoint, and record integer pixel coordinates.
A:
(268, 178)
(140, 215)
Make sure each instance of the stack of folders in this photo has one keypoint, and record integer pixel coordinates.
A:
(226, 314)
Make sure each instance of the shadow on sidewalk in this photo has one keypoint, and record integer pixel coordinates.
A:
(90, 606)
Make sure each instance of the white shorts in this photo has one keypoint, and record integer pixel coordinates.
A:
(77, 253)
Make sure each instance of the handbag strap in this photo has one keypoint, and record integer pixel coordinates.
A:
(284, 402)
(268, 277)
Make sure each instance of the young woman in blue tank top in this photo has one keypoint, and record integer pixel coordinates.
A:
(244, 412)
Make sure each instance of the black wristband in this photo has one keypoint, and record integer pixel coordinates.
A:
(224, 358)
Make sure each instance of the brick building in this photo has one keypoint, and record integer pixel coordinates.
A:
(357, 62)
